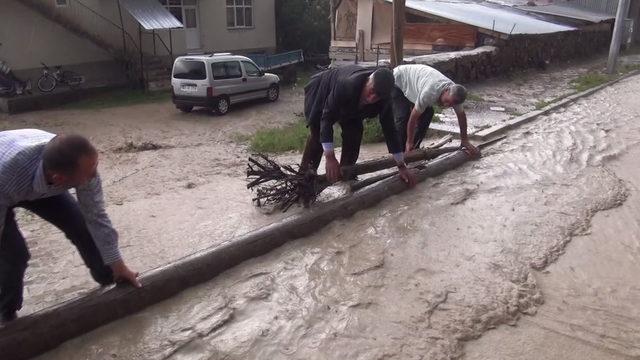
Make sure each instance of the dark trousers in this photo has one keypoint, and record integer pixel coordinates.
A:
(351, 139)
(61, 211)
(402, 110)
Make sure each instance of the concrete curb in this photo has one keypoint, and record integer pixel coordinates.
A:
(528, 117)
(39, 101)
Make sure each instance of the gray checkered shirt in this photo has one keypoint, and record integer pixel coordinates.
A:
(22, 179)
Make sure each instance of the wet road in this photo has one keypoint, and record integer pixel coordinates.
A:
(418, 275)
(165, 203)
(190, 193)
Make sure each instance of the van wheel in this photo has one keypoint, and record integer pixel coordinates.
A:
(222, 106)
(185, 109)
(273, 93)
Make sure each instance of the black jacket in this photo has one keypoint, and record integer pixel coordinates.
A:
(334, 95)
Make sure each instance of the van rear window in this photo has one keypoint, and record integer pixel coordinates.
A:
(190, 70)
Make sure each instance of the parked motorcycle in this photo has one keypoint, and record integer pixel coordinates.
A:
(10, 85)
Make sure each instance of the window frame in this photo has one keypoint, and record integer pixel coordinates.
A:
(226, 76)
(167, 5)
(244, 62)
(235, 7)
(204, 68)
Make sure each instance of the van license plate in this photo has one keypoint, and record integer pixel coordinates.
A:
(188, 87)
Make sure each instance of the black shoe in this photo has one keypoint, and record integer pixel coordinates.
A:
(9, 317)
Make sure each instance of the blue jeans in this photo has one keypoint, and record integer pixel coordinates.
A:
(63, 212)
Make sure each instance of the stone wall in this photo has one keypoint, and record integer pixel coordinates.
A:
(516, 53)
(535, 51)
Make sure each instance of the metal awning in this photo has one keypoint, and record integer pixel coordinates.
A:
(151, 14)
(486, 16)
(566, 10)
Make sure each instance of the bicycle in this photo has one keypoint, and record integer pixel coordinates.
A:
(50, 79)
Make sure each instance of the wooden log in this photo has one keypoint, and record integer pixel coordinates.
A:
(360, 46)
(357, 185)
(369, 166)
(44, 330)
(430, 152)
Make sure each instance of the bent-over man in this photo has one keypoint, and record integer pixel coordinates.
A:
(347, 95)
(36, 171)
(418, 89)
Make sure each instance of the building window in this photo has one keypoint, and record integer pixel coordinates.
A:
(174, 7)
(62, 3)
(239, 13)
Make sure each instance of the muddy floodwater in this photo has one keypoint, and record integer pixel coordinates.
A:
(416, 276)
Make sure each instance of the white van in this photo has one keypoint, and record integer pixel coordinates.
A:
(216, 81)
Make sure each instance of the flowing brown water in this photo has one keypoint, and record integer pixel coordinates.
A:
(413, 277)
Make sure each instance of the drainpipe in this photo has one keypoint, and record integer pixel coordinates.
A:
(153, 33)
(142, 77)
(124, 39)
(171, 46)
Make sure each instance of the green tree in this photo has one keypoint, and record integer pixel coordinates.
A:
(303, 24)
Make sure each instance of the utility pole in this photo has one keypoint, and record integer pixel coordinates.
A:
(397, 33)
(616, 39)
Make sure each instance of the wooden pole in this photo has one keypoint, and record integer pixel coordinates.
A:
(42, 331)
(370, 166)
(436, 150)
(616, 38)
(397, 33)
(360, 46)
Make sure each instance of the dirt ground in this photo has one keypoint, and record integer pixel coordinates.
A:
(413, 278)
(166, 203)
(173, 200)
(519, 93)
(427, 271)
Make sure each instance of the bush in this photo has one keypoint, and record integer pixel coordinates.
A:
(372, 132)
(588, 81)
(278, 140)
(294, 136)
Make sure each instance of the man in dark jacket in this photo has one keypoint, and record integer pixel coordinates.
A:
(347, 95)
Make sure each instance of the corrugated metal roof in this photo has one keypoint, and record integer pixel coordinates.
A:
(606, 6)
(487, 16)
(151, 14)
(509, 2)
(568, 11)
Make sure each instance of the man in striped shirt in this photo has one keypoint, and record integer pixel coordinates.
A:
(36, 171)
